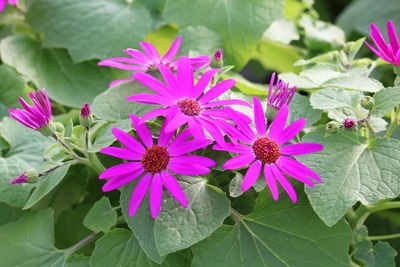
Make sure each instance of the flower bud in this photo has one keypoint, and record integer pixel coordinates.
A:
(48, 129)
(30, 176)
(86, 117)
(332, 127)
(367, 102)
(217, 60)
(349, 123)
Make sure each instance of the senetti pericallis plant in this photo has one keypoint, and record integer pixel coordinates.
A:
(179, 160)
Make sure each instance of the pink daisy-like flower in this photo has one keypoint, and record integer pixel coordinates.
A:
(278, 94)
(4, 2)
(267, 149)
(389, 52)
(38, 116)
(185, 102)
(149, 59)
(154, 164)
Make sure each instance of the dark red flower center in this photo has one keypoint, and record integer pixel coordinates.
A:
(155, 159)
(189, 107)
(266, 150)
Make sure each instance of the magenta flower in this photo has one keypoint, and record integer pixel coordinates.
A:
(154, 164)
(149, 59)
(267, 149)
(30, 176)
(38, 116)
(279, 94)
(185, 102)
(22, 179)
(4, 2)
(389, 52)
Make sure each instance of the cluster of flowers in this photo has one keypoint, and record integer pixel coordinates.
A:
(194, 117)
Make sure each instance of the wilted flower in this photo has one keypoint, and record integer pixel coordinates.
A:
(183, 101)
(154, 163)
(266, 149)
(149, 59)
(38, 116)
(389, 52)
(278, 94)
(4, 2)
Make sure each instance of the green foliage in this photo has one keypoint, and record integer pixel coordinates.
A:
(101, 216)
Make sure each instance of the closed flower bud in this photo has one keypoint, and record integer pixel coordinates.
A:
(217, 60)
(332, 127)
(86, 117)
(367, 102)
(30, 176)
(349, 123)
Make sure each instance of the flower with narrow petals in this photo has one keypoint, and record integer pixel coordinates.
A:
(267, 149)
(155, 164)
(149, 59)
(185, 102)
(4, 2)
(389, 52)
(278, 94)
(38, 116)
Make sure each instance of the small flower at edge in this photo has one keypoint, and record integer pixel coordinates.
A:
(4, 2)
(217, 60)
(36, 117)
(389, 52)
(86, 117)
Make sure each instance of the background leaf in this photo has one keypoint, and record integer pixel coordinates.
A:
(54, 70)
(331, 98)
(239, 39)
(91, 29)
(276, 234)
(351, 170)
(25, 152)
(29, 241)
(385, 100)
(11, 88)
(381, 254)
(101, 216)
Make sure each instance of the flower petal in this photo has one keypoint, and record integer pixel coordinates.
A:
(172, 51)
(121, 153)
(119, 181)
(297, 170)
(279, 122)
(153, 99)
(142, 131)
(251, 175)
(174, 188)
(259, 117)
(197, 160)
(186, 168)
(289, 132)
(138, 194)
(287, 186)
(217, 90)
(271, 181)
(155, 195)
(120, 169)
(239, 161)
(127, 140)
(202, 84)
(185, 77)
(151, 51)
(301, 149)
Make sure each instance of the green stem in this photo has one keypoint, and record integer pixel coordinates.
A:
(80, 244)
(94, 163)
(382, 237)
(393, 121)
(384, 206)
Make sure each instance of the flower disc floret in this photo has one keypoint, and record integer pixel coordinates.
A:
(155, 159)
(266, 150)
(189, 107)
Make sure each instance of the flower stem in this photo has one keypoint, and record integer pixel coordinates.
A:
(382, 237)
(80, 244)
(394, 121)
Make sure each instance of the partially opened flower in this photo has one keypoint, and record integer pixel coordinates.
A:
(279, 94)
(389, 52)
(4, 2)
(155, 164)
(267, 150)
(185, 102)
(38, 116)
(143, 61)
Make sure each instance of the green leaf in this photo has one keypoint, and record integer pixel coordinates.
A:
(199, 39)
(25, 152)
(77, 261)
(239, 39)
(119, 247)
(105, 137)
(385, 100)
(29, 241)
(351, 170)
(264, 238)
(177, 228)
(11, 88)
(235, 186)
(300, 108)
(45, 184)
(101, 217)
(91, 29)
(359, 83)
(331, 98)
(9, 213)
(111, 105)
(67, 83)
(382, 254)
